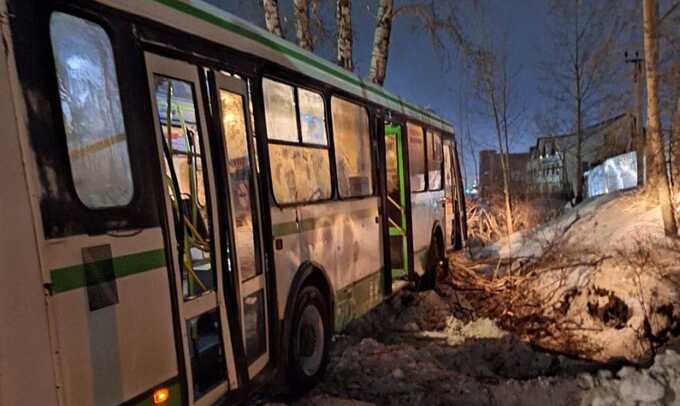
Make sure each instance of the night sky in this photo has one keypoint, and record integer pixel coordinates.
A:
(444, 88)
(415, 71)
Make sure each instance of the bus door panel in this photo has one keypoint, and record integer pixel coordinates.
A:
(232, 114)
(459, 209)
(423, 216)
(195, 244)
(396, 212)
(449, 198)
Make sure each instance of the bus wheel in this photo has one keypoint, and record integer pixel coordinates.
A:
(435, 265)
(310, 339)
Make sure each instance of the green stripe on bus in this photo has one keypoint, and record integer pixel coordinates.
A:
(290, 51)
(281, 229)
(357, 299)
(73, 277)
(308, 224)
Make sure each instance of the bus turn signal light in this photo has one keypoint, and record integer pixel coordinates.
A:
(160, 396)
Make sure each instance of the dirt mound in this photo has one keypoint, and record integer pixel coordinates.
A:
(601, 282)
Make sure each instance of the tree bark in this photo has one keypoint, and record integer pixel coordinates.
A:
(504, 106)
(304, 35)
(271, 16)
(639, 128)
(579, 149)
(381, 42)
(343, 14)
(658, 176)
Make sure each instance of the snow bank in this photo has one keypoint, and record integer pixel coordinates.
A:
(658, 385)
(615, 221)
(605, 276)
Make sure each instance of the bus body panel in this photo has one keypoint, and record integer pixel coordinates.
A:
(345, 238)
(116, 352)
(288, 256)
(28, 375)
(342, 237)
(427, 211)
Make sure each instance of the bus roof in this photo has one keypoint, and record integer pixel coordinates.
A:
(251, 39)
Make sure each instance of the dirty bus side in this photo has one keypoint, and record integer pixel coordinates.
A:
(197, 204)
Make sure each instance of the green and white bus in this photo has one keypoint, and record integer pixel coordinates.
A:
(191, 206)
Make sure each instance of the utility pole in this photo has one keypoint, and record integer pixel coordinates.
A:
(638, 136)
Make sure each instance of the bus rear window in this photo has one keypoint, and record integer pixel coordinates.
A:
(416, 157)
(93, 120)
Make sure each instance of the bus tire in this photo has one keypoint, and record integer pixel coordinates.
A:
(435, 264)
(310, 340)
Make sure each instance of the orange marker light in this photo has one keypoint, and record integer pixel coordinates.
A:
(160, 396)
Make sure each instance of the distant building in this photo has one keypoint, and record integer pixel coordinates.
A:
(552, 167)
(491, 173)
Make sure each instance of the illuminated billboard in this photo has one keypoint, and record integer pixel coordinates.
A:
(617, 173)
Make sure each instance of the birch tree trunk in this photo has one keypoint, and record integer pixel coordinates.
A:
(658, 176)
(505, 164)
(271, 16)
(505, 169)
(304, 35)
(381, 42)
(343, 14)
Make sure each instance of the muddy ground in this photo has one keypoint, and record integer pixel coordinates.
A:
(414, 350)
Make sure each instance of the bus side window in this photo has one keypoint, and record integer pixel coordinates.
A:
(434, 160)
(298, 151)
(416, 157)
(312, 118)
(91, 108)
(279, 102)
(351, 138)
